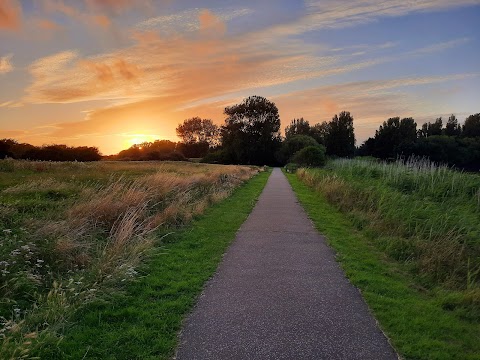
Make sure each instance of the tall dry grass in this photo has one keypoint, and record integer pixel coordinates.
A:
(95, 224)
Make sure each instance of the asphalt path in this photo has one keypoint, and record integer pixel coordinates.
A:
(279, 294)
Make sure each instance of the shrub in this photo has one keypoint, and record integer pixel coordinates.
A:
(310, 156)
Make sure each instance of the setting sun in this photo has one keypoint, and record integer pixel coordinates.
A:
(136, 139)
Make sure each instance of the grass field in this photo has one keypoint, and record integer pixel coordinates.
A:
(408, 235)
(72, 233)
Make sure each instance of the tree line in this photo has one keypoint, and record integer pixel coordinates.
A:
(13, 149)
(251, 135)
(453, 144)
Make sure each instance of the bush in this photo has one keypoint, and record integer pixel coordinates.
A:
(291, 168)
(293, 144)
(216, 157)
(310, 156)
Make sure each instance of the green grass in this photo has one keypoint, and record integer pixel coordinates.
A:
(421, 323)
(141, 321)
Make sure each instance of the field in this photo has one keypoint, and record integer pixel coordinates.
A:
(73, 232)
(408, 235)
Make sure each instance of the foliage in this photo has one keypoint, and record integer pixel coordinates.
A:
(452, 145)
(293, 144)
(340, 140)
(311, 156)
(157, 150)
(393, 134)
(421, 324)
(453, 128)
(298, 127)
(471, 128)
(11, 148)
(251, 134)
(423, 215)
(72, 231)
(198, 135)
(431, 129)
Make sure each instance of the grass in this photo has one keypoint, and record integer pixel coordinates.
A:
(425, 316)
(71, 232)
(142, 320)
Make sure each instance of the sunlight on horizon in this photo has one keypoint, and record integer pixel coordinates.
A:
(137, 139)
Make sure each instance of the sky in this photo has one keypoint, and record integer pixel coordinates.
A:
(112, 73)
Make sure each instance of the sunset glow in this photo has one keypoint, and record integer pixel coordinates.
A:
(87, 72)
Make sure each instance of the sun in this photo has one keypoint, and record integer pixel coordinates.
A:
(136, 139)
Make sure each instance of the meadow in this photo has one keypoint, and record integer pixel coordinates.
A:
(71, 232)
(408, 235)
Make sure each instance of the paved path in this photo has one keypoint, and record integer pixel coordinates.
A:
(279, 294)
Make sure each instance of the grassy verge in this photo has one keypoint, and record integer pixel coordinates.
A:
(142, 319)
(419, 322)
(70, 232)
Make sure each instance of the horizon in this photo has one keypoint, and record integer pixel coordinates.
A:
(114, 73)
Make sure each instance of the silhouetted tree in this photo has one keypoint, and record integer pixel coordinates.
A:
(62, 153)
(298, 127)
(431, 129)
(471, 128)
(251, 134)
(340, 140)
(320, 132)
(393, 134)
(198, 135)
(6, 148)
(452, 128)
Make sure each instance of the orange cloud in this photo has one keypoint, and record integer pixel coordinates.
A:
(10, 14)
(210, 24)
(46, 24)
(101, 20)
(5, 64)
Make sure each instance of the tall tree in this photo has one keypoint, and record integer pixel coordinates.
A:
(340, 140)
(471, 128)
(196, 130)
(431, 129)
(320, 132)
(251, 134)
(298, 127)
(452, 128)
(393, 135)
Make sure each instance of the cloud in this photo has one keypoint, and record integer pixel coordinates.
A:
(370, 102)
(10, 14)
(189, 20)
(345, 13)
(117, 6)
(5, 64)
(48, 25)
(90, 15)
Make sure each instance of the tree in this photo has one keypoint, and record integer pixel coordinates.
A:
(340, 140)
(471, 128)
(298, 127)
(251, 134)
(393, 135)
(310, 156)
(320, 132)
(453, 128)
(431, 129)
(293, 144)
(196, 130)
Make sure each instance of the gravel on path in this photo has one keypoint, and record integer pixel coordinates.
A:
(280, 294)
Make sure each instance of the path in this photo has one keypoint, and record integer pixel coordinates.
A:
(279, 294)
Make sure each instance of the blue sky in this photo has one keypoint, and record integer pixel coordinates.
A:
(110, 73)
